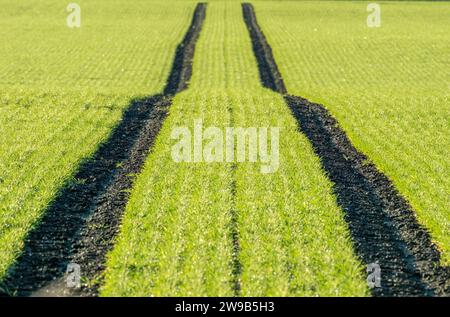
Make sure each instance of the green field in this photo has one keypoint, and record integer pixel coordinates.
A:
(225, 228)
(388, 87)
(277, 215)
(62, 90)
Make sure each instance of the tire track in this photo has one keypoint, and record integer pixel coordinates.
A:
(236, 264)
(382, 224)
(82, 222)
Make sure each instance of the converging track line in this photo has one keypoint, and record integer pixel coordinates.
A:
(382, 224)
(82, 222)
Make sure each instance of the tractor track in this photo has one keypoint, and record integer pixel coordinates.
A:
(80, 225)
(382, 224)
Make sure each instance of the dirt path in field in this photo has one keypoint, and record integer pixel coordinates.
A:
(80, 226)
(381, 222)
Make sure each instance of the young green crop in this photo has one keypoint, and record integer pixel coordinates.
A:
(388, 87)
(180, 226)
(62, 90)
(174, 238)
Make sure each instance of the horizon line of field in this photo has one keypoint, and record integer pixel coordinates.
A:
(382, 223)
(80, 225)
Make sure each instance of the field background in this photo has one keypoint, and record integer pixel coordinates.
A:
(63, 90)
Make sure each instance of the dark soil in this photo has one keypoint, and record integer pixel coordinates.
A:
(268, 69)
(182, 65)
(382, 224)
(81, 224)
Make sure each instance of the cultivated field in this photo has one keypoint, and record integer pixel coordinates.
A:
(357, 176)
(197, 224)
(387, 87)
(62, 91)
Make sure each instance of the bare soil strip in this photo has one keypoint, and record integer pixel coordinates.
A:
(268, 69)
(381, 222)
(82, 222)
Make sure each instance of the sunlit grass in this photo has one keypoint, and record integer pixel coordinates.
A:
(176, 237)
(389, 87)
(62, 90)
